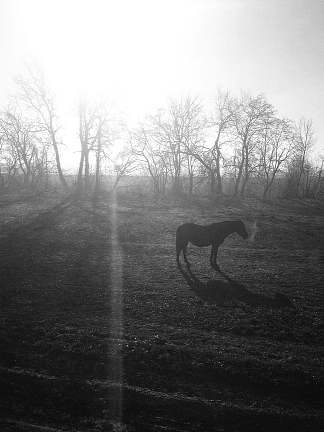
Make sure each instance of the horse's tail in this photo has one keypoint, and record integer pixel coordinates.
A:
(179, 242)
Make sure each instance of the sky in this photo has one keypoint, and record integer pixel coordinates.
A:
(139, 53)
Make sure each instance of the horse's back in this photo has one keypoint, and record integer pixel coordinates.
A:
(188, 228)
(196, 234)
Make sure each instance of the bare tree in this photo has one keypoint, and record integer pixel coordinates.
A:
(317, 186)
(88, 133)
(20, 140)
(176, 130)
(274, 148)
(123, 164)
(221, 123)
(192, 168)
(9, 161)
(304, 140)
(37, 97)
(249, 116)
(153, 156)
(211, 157)
(109, 130)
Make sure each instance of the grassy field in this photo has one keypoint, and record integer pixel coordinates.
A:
(100, 330)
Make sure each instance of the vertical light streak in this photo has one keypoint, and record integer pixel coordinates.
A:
(116, 316)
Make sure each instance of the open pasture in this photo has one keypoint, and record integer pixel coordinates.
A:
(100, 330)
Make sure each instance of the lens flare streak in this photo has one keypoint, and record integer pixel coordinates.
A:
(116, 316)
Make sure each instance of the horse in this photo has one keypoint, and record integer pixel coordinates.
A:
(209, 235)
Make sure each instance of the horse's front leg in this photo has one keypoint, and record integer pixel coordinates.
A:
(213, 258)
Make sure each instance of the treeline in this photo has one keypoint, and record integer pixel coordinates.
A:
(241, 142)
(238, 146)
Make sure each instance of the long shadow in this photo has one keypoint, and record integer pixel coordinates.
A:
(220, 291)
(96, 216)
(43, 220)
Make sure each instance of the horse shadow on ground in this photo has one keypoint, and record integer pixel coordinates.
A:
(220, 291)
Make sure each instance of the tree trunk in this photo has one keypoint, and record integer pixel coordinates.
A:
(98, 158)
(246, 171)
(219, 184)
(318, 183)
(301, 173)
(238, 178)
(212, 183)
(176, 185)
(79, 180)
(266, 190)
(58, 161)
(245, 181)
(86, 169)
(190, 190)
(218, 174)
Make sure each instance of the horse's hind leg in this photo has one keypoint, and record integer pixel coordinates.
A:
(212, 257)
(181, 247)
(185, 256)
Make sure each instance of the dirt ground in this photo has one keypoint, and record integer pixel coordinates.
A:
(100, 330)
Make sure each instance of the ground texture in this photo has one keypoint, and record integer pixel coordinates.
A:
(100, 330)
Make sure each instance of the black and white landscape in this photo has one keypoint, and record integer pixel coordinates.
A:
(161, 215)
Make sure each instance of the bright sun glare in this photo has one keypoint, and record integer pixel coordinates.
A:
(128, 53)
(123, 50)
(135, 54)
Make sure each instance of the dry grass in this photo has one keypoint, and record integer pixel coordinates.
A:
(213, 355)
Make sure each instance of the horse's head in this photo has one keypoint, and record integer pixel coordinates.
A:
(241, 230)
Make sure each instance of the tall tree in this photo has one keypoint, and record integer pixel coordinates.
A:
(274, 147)
(109, 129)
(88, 131)
(20, 140)
(219, 125)
(317, 186)
(152, 156)
(249, 116)
(37, 97)
(304, 141)
(124, 164)
(176, 129)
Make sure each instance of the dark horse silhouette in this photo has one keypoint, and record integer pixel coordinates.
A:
(210, 235)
